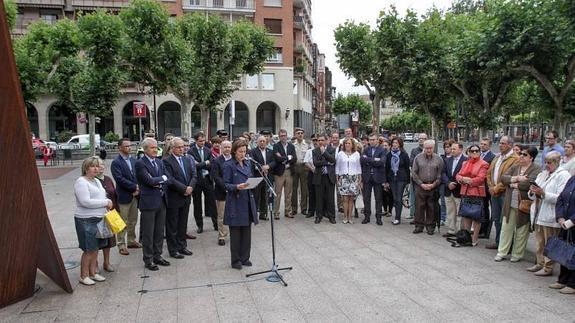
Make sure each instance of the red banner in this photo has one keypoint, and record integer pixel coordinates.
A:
(139, 109)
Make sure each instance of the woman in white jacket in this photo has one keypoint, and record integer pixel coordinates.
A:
(550, 184)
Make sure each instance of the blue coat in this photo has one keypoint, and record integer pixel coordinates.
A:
(126, 183)
(565, 207)
(152, 185)
(238, 203)
(370, 165)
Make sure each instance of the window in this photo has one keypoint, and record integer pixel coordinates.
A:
(268, 81)
(273, 3)
(276, 56)
(241, 4)
(194, 2)
(251, 82)
(49, 17)
(273, 26)
(218, 3)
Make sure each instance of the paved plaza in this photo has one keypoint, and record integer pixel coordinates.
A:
(340, 273)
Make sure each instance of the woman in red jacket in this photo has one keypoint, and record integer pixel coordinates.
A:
(472, 180)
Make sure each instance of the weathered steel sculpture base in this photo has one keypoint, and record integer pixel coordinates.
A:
(27, 242)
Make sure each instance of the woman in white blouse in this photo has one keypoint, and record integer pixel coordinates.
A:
(91, 206)
(348, 171)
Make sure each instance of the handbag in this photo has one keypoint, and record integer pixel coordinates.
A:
(524, 205)
(103, 231)
(359, 202)
(114, 221)
(471, 207)
(561, 251)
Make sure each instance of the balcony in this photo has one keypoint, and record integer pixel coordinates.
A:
(220, 5)
(298, 22)
(111, 4)
(41, 3)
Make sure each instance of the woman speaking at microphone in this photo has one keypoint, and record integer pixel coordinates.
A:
(240, 209)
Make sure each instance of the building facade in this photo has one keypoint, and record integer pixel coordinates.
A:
(281, 97)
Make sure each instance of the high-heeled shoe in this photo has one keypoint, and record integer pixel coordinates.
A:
(109, 268)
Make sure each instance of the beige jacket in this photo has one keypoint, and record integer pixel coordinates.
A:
(499, 188)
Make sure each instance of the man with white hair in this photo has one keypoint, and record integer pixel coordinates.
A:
(220, 188)
(426, 176)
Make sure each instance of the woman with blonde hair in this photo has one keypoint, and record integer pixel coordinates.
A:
(348, 172)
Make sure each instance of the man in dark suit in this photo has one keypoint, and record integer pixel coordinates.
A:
(181, 172)
(127, 189)
(373, 174)
(285, 157)
(324, 180)
(452, 188)
(152, 183)
(488, 156)
(203, 157)
(220, 188)
(265, 157)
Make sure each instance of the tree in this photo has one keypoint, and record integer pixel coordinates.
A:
(536, 38)
(213, 55)
(11, 12)
(352, 102)
(408, 121)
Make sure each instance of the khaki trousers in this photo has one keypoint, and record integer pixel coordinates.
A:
(128, 213)
(542, 234)
(283, 183)
(452, 204)
(510, 233)
(299, 182)
(222, 229)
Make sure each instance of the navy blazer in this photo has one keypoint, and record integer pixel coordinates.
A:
(369, 164)
(403, 173)
(126, 182)
(218, 176)
(449, 176)
(327, 158)
(565, 207)
(240, 205)
(282, 159)
(489, 157)
(256, 154)
(178, 182)
(152, 185)
(202, 165)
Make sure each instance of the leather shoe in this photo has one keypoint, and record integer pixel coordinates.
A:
(124, 251)
(332, 220)
(151, 267)
(200, 230)
(237, 265)
(317, 220)
(365, 221)
(534, 268)
(492, 246)
(135, 245)
(186, 252)
(177, 255)
(289, 216)
(430, 232)
(247, 263)
(378, 221)
(448, 235)
(544, 272)
(162, 262)
(189, 236)
(309, 215)
(417, 230)
(221, 242)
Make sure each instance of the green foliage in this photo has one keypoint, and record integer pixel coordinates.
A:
(11, 12)
(408, 121)
(64, 136)
(352, 102)
(112, 137)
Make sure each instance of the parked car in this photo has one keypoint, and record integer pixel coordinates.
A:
(80, 142)
(408, 136)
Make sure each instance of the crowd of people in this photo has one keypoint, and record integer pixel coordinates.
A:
(469, 189)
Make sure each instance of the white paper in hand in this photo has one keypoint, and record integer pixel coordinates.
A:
(253, 182)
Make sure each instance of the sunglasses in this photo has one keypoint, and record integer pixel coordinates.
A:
(524, 154)
(474, 151)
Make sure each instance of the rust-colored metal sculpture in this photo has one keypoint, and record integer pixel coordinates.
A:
(27, 242)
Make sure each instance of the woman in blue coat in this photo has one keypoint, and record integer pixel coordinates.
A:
(565, 215)
(240, 209)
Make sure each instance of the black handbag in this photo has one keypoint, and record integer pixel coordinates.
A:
(471, 207)
(561, 251)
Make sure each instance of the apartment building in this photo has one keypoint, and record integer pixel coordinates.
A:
(290, 92)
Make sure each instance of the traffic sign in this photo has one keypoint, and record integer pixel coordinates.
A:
(139, 109)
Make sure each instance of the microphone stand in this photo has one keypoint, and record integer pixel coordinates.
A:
(275, 276)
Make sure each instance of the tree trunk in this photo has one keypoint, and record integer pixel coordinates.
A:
(375, 113)
(205, 120)
(92, 132)
(186, 118)
(558, 119)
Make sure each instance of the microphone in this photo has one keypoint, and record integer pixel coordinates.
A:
(253, 160)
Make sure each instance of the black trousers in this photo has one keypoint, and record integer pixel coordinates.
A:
(310, 194)
(387, 201)
(566, 276)
(205, 186)
(261, 196)
(426, 203)
(397, 188)
(152, 224)
(324, 198)
(368, 186)
(176, 228)
(240, 243)
(486, 221)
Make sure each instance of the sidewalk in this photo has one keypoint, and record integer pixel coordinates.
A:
(341, 273)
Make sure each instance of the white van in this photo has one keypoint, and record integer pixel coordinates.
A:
(82, 141)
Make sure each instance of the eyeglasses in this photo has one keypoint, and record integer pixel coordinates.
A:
(549, 138)
(524, 154)
(474, 151)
